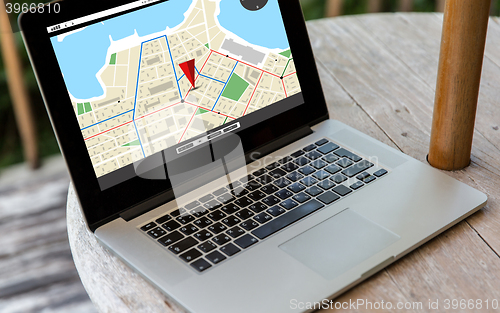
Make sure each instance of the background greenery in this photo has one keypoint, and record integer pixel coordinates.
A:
(10, 143)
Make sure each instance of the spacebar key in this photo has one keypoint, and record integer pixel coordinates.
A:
(287, 219)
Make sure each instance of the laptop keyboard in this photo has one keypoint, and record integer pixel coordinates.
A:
(233, 218)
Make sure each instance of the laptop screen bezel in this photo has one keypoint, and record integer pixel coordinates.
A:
(100, 207)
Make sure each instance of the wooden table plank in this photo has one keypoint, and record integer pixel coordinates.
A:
(397, 97)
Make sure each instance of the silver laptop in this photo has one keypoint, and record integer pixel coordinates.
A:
(199, 143)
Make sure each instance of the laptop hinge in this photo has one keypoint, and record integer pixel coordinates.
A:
(250, 156)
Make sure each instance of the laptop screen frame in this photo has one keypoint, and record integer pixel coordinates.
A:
(100, 207)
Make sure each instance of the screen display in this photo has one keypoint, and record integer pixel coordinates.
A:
(158, 76)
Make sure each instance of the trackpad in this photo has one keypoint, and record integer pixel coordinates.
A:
(338, 244)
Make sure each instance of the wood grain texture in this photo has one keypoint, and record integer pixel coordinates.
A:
(378, 73)
(37, 273)
(459, 75)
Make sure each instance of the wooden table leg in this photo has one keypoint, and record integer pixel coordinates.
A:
(459, 75)
(17, 90)
(334, 8)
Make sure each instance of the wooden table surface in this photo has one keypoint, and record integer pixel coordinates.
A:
(379, 76)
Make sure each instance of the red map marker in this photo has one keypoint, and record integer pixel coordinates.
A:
(188, 69)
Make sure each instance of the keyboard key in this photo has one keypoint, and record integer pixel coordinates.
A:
(296, 187)
(328, 148)
(306, 170)
(217, 215)
(249, 225)
(369, 179)
(276, 210)
(231, 221)
(328, 197)
(287, 219)
(190, 255)
(212, 205)
(258, 207)
(221, 239)
(357, 185)
(289, 204)
(320, 175)
(215, 257)
(318, 164)
(199, 212)
(343, 153)
(230, 249)
(363, 176)
(191, 205)
(277, 173)
(185, 219)
(259, 172)
(163, 219)
(170, 238)
(270, 201)
(301, 197)
(269, 189)
(207, 246)
(342, 190)
(235, 232)
(308, 181)
(244, 214)
(149, 226)
(206, 198)
(217, 228)
(256, 195)
(203, 235)
(246, 179)
(262, 218)
(339, 178)
(345, 162)
(240, 191)
(243, 202)
(264, 179)
(282, 182)
(283, 194)
(309, 148)
(183, 245)
(332, 169)
(202, 222)
(314, 191)
(253, 185)
(200, 265)
(286, 160)
(357, 168)
(225, 198)
(233, 184)
(294, 176)
(326, 184)
(219, 192)
(290, 167)
(175, 213)
(246, 241)
(272, 166)
(380, 173)
(330, 158)
(171, 225)
(321, 142)
(188, 229)
(230, 208)
(314, 155)
(301, 161)
(297, 154)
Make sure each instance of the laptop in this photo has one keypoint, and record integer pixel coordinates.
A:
(199, 144)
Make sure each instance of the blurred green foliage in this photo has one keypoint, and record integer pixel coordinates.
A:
(10, 142)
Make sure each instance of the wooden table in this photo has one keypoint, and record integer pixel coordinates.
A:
(379, 76)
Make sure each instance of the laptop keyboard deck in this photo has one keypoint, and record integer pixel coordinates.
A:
(233, 218)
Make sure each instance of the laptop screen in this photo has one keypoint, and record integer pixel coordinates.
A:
(146, 78)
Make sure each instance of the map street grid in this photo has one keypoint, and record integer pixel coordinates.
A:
(150, 105)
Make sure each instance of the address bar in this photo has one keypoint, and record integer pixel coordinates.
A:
(98, 15)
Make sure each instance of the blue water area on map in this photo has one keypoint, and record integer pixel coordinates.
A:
(81, 55)
(263, 27)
